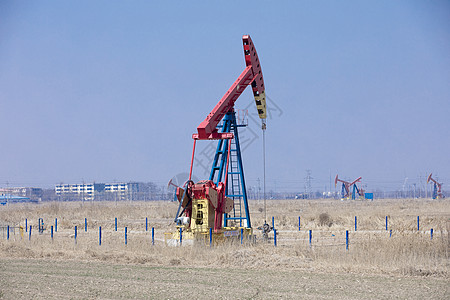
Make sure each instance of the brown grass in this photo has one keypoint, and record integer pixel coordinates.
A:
(371, 250)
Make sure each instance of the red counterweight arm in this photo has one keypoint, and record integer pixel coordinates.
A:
(252, 74)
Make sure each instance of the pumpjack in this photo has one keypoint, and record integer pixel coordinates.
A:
(345, 191)
(437, 189)
(219, 206)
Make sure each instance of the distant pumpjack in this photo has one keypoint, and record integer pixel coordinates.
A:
(437, 189)
(345, 191)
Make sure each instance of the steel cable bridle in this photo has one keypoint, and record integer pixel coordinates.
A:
(263, 127)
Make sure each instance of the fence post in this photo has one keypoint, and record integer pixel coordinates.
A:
(41, 225)
(26, 225)
(100, 235)
(386, 223)
(181, 236)
(418, 223)
(29, 236)
(51, 232)
(275, 237)
(153, 235)
(210, 237)
(75, 234)
(115, 224)
(299, 223)
(56, 224)
(356, 223)
(146, 224)
(431, 233)
(126, 237)
(310, 237)
(273, 222)
(85, 224)
(7, 233)
(346, 239)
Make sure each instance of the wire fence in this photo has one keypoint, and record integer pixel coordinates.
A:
(125, 231)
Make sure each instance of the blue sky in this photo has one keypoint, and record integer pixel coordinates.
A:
(113, 90)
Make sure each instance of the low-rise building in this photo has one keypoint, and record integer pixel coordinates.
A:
(98, 191)
(32, 193)
(85, 191)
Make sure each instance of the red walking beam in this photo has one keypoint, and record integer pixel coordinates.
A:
(252, 74)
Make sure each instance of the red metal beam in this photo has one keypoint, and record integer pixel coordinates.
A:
(355, 181)
(336, 180)
(207, 129)
(430, 178)
(252, 74)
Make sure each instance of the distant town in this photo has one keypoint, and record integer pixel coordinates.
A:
(149, 191)
(131, 191)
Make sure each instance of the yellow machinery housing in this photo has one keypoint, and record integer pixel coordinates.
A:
(197, 229)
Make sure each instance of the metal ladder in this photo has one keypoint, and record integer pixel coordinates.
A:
(236, 183)
(234, 190)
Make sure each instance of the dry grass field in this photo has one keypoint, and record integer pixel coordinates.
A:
(406, 265)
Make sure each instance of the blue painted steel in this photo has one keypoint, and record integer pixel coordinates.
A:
(418, 223)
(235, 189)
(146, 224)
(153, 235)
(346, 239)
(386, 223)
(390, 233)
(435, 191)
(355, 189)
(242, 236)
(75, 234)
(29, 234)
(26, 225)
(210, 237)
(343, 192)
(275, 237)
(7, 233)
(273, 223)
(356, 223)
(368, 196)
(181, 236)
(115, 224)
(85, 224)
(56, 224)
(51, 232)
(310, 237)
(299, 224)
(126, 236)
(431, 233)
(100, 235)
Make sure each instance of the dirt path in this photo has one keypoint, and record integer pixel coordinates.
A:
(70, 279)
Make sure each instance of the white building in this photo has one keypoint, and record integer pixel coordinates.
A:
(28, 192)
(86, 191)
(100, 191)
